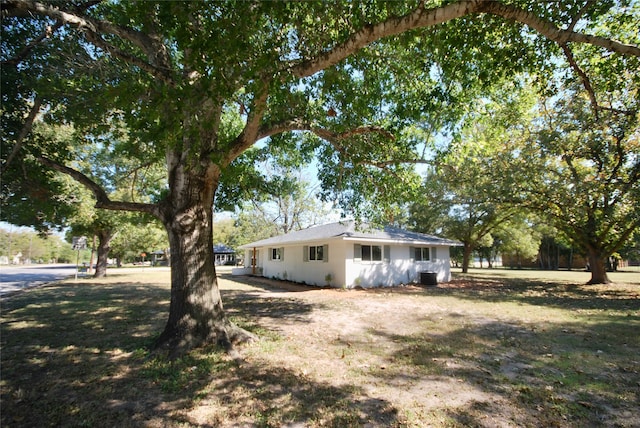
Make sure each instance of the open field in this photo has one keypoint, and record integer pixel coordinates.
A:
(630, 275)
(495, 348)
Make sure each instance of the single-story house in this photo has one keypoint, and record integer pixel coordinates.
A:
(224, 255)
(345, 254)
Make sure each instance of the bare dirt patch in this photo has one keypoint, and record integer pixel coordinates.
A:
(470, 352)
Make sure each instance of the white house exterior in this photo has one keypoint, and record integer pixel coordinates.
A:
(343, 255)
(223, 255)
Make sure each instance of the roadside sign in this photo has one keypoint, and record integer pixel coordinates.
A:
(79, 243)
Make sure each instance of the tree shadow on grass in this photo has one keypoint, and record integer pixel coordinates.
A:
(559, 375)
(238, 303)
(540, 293)
(69, 350)
(253, 394)
(77, 355)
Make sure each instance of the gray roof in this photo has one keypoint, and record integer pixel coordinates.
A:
(223, 249)
(349, 230)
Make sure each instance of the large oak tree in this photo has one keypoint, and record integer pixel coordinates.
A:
(581, 173)
(199, 83)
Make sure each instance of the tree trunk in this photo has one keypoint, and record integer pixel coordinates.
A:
(597, 265)
(466, 257)
(571, 259)
(104, 246)
(196, 314)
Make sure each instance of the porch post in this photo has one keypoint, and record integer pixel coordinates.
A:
(253, 262)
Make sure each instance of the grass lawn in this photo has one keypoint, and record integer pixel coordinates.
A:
(630, 275)
(491, 348)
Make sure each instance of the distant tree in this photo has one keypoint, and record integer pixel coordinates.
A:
(465, 194)
(290, 208)
(580, 170)
(483, 249)
(631, 250)
(273, 194)
(34, 247)
(59, 251)
(116, 233)
(224, 232)
(143, 235)
(24, 244)
(519, 240)
(463, 210)
(430, 213)
(554, 246)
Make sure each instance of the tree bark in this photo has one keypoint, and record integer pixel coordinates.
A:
(597, 266)
(466, 257)
(104, 246)
(196, 313)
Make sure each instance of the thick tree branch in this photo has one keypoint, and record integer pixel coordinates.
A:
(26, 129)
(161, 73)
(251, 132)
(583, 76)
(303, 125)
(102, 199)
(425, 18)
(335, 138)
(46, 33)
(418, 19)
(551, 31)
(158, 60)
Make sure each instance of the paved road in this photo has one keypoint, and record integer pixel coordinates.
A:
(14, 278)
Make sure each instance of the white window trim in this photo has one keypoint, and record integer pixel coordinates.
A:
(385, 254)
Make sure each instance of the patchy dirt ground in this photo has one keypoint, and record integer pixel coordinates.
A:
(479, 352)
(365, 339)
(462, 354)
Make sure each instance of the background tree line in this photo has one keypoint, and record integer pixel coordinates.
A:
(26, 246)
(567, 162)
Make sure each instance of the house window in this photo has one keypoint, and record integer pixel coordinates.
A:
(421, 254)
(371, 253)
(316, 252)
(276, 254)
